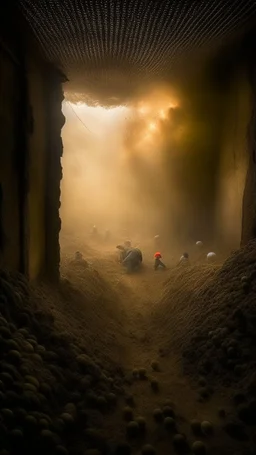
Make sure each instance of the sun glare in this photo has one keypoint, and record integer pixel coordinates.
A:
(107, 154)
(143, 110)
(162, 114)
(94, 118)
(107, 131)
(152, 126)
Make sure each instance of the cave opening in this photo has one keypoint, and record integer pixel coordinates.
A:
(114, 169)
(170, 161)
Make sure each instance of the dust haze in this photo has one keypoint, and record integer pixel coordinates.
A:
(154, 165)
(114, 167)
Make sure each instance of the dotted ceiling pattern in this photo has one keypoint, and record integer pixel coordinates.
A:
(112, 43)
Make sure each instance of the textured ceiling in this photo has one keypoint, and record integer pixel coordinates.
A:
(107, 47)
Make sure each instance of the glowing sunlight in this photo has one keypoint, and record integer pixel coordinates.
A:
(109, 155)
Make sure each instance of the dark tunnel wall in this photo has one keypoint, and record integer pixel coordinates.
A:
(30, 151)
(12, 156)
(9, 176)
(44, 146)
(37, 144)
(234, 160)
(45, 96)
(230, 74)
(211, 155)
(249, 199)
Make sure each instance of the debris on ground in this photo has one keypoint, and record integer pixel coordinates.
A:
(63, 354)
(49, 385)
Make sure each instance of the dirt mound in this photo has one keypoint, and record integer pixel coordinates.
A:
(62, 352)
(52, 389)
(210, 314)
(175, 317)
(87, 306)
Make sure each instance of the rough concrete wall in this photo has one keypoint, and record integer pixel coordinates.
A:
(30, 150)
(237, 176)
(218, 109)
(233, 160)
(249, 199)
(56, 121)
(12, 142)
(9, 177)
(37, 145)
(45, 97)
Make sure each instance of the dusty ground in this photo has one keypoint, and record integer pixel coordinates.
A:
(74, 356)
(145, 335)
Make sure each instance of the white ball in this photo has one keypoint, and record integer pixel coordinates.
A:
(211, 256)
(199, 243)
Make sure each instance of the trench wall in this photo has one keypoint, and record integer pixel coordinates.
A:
(9, 174)
(30, 152)
(216, 153)
(235, 200)
(234, 161)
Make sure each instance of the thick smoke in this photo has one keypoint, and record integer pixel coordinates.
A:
(158, 163)
(114, 174)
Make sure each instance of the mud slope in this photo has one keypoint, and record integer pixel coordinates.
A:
(180, 308)
(89, 307)
(209, 314)
(57, 373)
(98, 366)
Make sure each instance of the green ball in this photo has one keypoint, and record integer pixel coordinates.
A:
(198, 448)
(158, 415)
(141, 422)
(169, 423)
(148, 450)
(133, 429)
(128, 414)
(196, 427)
(206, 428)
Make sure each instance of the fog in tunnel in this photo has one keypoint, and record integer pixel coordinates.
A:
(171, 161)
(113, 166)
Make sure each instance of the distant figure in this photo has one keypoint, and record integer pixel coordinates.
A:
(158, 262)
(133, 260)
(94, 232)
(123, 252)
(79, 260)
(211, 257)
(199, 244)
(128, 244)
(184, 260)
(107, 235)
(78, 256)
(157, 240)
